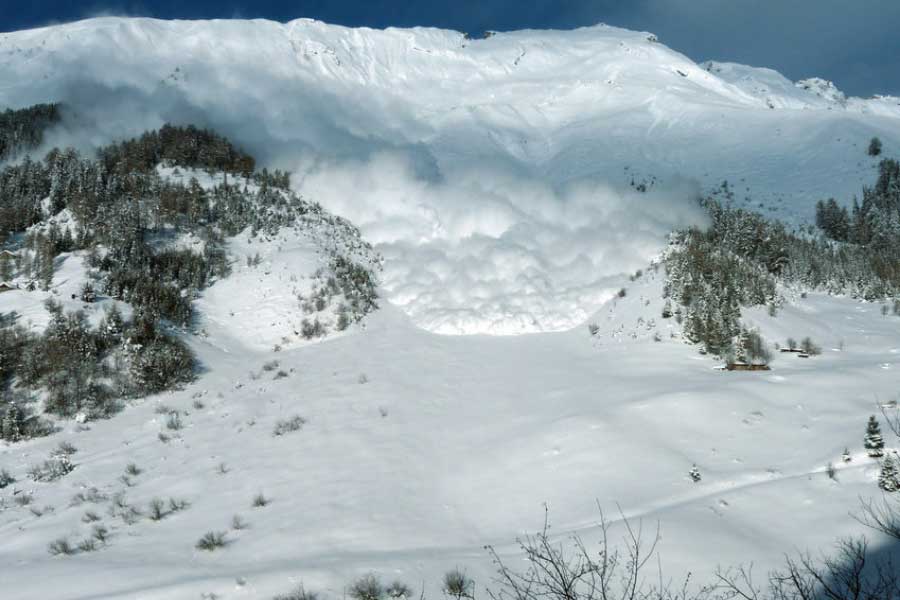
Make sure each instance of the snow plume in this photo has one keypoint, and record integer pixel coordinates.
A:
(471, 245)
(484, 249)
(491, 220)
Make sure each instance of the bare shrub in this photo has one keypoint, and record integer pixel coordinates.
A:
(157, 510)
(458, 585)
(61, 546)
(573, 572)
(211, 540)
(23, 499)
(399, 591)
(284, 426)
(100, 533)
(367, 587)
(64, 449)
(51, 469)
(810, 347)
(299, 593)
(174, 422)
(238, 523)
(178, 504)
(850, 573)
(90, 517)
(5, 478)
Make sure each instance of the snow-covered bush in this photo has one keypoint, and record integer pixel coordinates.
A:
(889, 476)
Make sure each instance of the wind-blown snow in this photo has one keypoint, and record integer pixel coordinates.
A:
(491, 173)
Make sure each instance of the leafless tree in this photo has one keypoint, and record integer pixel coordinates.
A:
(850, 573)
(882, 515)
(569, 570)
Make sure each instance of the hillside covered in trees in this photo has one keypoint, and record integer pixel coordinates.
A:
(743, 258)
(126, 218)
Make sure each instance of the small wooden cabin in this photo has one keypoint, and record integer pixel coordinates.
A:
(745, 367)
(7, 287)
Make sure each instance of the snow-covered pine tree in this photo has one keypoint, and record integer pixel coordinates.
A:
(889, 477)
(694, 474)
(12, 423)
(874, 443)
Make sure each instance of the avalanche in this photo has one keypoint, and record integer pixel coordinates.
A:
(482, 168)
(500, 179)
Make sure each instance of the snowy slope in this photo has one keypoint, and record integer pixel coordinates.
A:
(474, 164)
(420, 448)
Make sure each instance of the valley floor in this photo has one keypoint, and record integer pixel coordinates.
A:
(419, 449)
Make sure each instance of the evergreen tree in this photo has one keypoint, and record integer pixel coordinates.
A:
(87, 292)
(12, 425)
(694, 474)
(846, 456)
(874, 443)
(874, 147)
(889, 477)
(6, 267)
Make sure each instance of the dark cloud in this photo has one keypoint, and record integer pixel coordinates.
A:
(855, 44)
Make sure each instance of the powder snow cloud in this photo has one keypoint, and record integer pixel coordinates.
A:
(494, 213)
(484, 249)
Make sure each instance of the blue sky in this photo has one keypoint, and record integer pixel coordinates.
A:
(854, 43)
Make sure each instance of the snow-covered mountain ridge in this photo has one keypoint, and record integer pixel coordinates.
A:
(492, 173)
